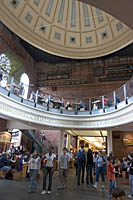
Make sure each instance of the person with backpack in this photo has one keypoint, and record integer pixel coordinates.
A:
(81, 163)
(89, 167)
(100, 169)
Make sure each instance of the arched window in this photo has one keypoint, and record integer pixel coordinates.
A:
(5, 67)
(24, 82)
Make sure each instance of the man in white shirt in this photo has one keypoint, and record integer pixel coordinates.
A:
(49, 169)
(64, 160)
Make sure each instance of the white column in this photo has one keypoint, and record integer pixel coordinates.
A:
(78, 143)
(109, 142)
(61, 145)
(68, 141)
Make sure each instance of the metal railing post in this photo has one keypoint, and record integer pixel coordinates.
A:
(103, 107)
(114, 96)
(90, 106)
(36, 99)
(125, 93)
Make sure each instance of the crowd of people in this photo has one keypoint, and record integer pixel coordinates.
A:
(12, 161)
(101, 165)
(89, 164)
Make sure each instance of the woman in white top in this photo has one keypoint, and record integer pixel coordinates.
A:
(34, 168)
(49, 170)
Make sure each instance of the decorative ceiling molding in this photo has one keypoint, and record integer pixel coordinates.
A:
(65, 28)
(121, 10)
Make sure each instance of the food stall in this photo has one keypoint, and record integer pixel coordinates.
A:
(5, 138)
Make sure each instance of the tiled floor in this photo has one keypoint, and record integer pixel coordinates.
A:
(17, 190)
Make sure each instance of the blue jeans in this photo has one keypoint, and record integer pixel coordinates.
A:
(80, 168)
(89, 174)
(112, 185)
(100, 170)
(33, 179)
(131, 184)
(48, 171)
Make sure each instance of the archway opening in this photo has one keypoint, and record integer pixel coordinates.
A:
(24, 82)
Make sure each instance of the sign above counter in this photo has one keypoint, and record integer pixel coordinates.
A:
(127, 142)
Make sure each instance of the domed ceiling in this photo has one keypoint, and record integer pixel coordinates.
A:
(65, 28)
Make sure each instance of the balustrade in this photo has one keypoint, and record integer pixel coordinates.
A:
(109, 102)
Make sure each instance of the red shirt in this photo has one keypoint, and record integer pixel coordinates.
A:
(105, 101)
(110, 171)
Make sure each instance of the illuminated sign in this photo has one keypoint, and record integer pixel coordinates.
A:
(127, 142)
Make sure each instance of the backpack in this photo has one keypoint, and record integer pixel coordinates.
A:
(81, 157)
(104, 160)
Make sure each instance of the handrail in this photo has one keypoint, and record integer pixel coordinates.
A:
(88, 104)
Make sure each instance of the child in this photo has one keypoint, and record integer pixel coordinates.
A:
(111, 176)
(118, 194)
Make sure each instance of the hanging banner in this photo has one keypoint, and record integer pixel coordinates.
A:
(16, 138)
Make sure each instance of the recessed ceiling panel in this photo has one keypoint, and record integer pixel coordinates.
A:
(65, 28)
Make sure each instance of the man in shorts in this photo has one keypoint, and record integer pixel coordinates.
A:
(64, 160)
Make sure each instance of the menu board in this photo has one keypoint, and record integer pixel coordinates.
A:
(128, 142)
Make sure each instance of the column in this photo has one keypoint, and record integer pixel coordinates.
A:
(61, 145)
(109, 142)
(78, 143)
(68, 141)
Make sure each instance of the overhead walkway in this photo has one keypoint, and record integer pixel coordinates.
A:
(13, 107)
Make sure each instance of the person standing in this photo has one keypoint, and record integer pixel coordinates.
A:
(34, 167)
(100, 170)
(111, 176)
(130, 169)
(75, 163)
(64, 160)
(48, 170)
(81, 162)
(89, 167)
(94, 163)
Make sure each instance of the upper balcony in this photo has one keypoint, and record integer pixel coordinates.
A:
(111, 110)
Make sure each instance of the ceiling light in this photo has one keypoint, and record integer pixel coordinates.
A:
(125, 138)
(14, 2)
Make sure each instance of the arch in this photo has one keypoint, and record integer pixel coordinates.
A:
(24, 82)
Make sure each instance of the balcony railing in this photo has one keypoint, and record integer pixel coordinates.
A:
(91, 106)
